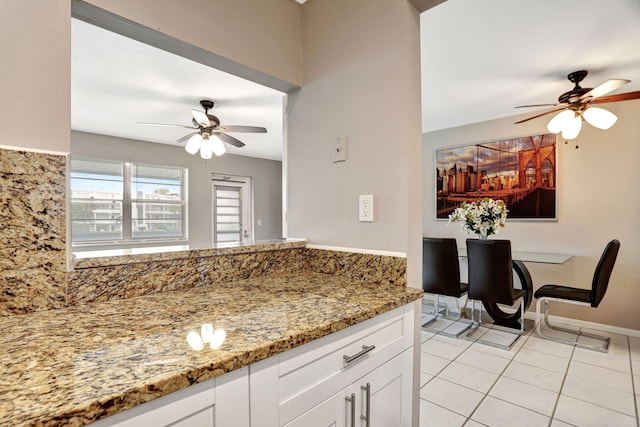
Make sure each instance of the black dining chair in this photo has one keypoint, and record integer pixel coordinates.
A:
(585, 297)
(491, 275)
(441, 275)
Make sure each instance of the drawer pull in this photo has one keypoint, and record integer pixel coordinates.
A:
(352, 401)
(365, 350)
(367, 417)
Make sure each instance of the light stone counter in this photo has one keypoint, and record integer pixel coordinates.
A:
(78, 364)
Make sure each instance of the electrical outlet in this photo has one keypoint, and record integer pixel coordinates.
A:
(339, 149)
(365, 213)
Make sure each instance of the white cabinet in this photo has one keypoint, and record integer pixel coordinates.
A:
(320, 383)
(220, 402)
(383, 397)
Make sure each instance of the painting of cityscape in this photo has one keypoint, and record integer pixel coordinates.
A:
(520, 171)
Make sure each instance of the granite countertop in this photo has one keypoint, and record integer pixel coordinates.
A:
(75, 365)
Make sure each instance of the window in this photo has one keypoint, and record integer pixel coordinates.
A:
(116, 202)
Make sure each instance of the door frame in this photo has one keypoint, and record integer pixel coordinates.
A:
(246, 203)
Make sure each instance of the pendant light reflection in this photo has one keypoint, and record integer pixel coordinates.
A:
(569, 122)
(208, 145)
(215, 338)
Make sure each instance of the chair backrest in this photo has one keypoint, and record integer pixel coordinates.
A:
(490, 270)
(440, 266)
(603, 272)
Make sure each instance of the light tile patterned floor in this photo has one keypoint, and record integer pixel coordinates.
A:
(536, 383)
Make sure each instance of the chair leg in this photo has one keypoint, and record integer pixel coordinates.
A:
(605, 340)
(435, 313)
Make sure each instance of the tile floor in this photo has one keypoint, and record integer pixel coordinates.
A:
(535, 383)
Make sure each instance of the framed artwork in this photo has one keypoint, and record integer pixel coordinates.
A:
(519, 171)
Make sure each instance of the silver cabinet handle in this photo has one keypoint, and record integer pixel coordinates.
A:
(365, 350)
(352, 400)
(367, 417)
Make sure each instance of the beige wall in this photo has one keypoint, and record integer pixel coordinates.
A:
(266, 178)
(598, 200)
(361, 80)
(35, 83)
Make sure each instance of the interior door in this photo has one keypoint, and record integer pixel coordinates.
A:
(232, 212)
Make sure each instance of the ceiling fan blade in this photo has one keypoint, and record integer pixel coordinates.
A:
(201, 118)
(604, 88)
(245, 129)
(185, 138)
(537, 105)
(166, 124)
(615, 98)
(230, 140)
(540, 115)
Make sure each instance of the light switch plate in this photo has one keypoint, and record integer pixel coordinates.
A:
(365, 211)
(339, 149)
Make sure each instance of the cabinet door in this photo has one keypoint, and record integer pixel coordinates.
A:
(334, 412)
(388, 399)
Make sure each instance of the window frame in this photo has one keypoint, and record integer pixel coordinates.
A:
(128, 239)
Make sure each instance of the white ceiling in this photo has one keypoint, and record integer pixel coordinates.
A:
(117, 82)
(479, 60)
(482, 58)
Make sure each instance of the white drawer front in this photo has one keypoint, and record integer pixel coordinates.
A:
(308, 378)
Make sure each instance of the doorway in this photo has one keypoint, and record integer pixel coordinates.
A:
(232, 210)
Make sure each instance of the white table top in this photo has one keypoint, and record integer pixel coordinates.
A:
(541, 257)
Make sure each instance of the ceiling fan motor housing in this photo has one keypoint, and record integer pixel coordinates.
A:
(574, 94)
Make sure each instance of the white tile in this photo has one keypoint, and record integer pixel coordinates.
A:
(635, 366)
(616, 358)
(434, 415)
(440, 348)
(437, 325)
(424, 335)
(454, 397)
(549, 347)
(635, 353)
(558, 423)
(453, 341)
(498, 413)
(525, 395)
(617, 339)
(584, 414)
(471, 423)
(634, 342)
(424, 378)
(432, 364)
(482, 360)
(494, 351)
(597, 394)
(599, 375)
(468, 376)
(533, 375)
(502, 338)
(542, 360)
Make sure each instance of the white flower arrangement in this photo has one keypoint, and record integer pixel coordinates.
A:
(483, 217)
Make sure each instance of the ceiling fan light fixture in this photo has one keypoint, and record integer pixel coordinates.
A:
(572, 127)
(560, 121)
(206, 150)
(218, 147)
(193, 145)
(599, 117)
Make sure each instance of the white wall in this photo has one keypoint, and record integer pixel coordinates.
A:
(598, 200)
(361, 80)
(266, 174)
(35, 53)
(259, 36)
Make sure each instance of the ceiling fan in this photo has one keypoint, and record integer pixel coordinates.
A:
(574, 106)
(209, 135)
